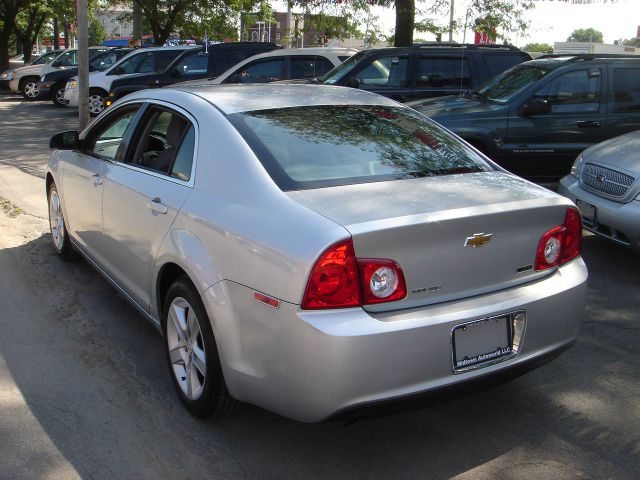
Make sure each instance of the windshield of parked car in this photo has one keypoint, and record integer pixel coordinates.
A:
(330, 145)
(510, 83)
(104, 60)
(332, 76)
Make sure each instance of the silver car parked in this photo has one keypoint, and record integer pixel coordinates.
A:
(312, 250)
(605, 184)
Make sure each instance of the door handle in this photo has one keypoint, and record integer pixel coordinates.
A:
(96, 180)
(156, 206)
(588, 124)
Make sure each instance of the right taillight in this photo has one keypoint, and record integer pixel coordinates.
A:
(340, 280)
(561, 243)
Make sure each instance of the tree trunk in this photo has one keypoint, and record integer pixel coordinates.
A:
(4, 48)
(56, 34)
(27, 47)
(405, 22)
(66, 36)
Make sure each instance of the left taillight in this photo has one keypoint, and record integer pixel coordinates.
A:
(560, 244)
(340, 280)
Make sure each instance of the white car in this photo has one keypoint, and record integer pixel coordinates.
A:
(288, 64)
(25, 79)
(145, 60)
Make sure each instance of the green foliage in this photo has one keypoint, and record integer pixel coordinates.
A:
(586, 35)
(538, 47)
(631, 42)
(97, 33)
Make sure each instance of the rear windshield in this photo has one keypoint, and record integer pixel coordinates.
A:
(325, 146)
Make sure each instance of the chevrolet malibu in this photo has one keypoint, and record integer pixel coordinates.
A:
(315, 250)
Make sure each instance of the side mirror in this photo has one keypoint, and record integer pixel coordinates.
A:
(56, 63)
(175, 73)
(537, 106)
(352, 82)
(116, 71)
(65, 141)
(235, 78)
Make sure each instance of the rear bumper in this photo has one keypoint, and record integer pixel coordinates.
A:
(71, 97)
(616, 221)
(311, 365)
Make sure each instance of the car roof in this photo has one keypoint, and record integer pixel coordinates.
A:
(305, 51)
(250, 97)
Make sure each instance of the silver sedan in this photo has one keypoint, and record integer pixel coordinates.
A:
(605, 184)
(314, 250)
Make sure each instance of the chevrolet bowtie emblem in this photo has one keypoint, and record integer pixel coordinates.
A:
(478, 240)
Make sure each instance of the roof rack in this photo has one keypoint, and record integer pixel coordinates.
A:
(468, 46)
(578, 57)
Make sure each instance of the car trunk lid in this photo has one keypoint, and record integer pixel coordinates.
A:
(454, 236)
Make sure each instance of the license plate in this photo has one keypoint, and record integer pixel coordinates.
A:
(587, 210)
(482, 342)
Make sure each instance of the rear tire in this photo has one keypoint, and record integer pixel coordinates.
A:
(192, 354)
(57, 96)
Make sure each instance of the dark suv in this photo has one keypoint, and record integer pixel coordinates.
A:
(535, 118)
(192, 65)
(424, 70)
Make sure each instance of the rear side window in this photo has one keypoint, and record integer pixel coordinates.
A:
(323, 146)
(260, 71)
(498, 63)
(452, 72)
(194, 64)
(626, 90)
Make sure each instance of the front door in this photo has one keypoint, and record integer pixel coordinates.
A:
(85, 174)
(143, 195)
(544, 145)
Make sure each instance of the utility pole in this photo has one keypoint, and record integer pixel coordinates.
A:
(83, 63)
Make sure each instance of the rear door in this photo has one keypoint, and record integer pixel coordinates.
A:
(624, 99)
(546, 144)
(144, 193)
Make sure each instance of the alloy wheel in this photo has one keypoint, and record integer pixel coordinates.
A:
(56, 220)
(186, 348)
(96, 104)
(31, 89)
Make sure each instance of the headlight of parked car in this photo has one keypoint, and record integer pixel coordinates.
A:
(8, 75)
(577, 166)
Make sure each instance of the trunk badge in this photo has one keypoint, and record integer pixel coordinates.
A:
(478, 240)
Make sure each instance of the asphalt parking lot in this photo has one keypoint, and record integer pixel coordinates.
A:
(85, 393)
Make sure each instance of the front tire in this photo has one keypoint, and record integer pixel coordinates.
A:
(57, 96)
(30, 90)
(96, 102)
(57, 226)
(192, 354)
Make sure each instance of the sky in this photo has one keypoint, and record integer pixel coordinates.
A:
(551, 21)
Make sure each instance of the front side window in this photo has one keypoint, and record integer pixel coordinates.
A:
(448, 72)
(261, 71)
(105, 139)
(139, 63)
(165, 144)
(164, 58)
(194, 64)
(384, 72)
(309, 67)
(576, 91)
(324, 146)
(510, 83)
(46, 58)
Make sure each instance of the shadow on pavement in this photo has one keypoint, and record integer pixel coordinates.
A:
(93, 375)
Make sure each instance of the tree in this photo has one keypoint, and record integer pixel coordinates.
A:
(190, 17)
(538, 47)
(28, 26)
(9, 10)
(585, 35)
(97, 33)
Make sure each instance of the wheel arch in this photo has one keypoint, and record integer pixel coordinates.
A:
(24, 79)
